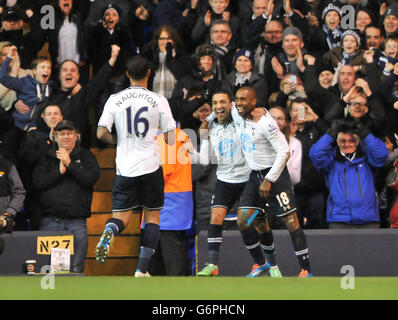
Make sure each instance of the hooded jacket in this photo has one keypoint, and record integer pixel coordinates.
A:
(28, 90)
(352, 195)
(194, 79)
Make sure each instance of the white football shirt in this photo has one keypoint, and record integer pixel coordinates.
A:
(137, 113)
(263, 144)
(225, 146)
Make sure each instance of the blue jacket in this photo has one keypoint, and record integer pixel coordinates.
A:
(26, 90)
(352, 198)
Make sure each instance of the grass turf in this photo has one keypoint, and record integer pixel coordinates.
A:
(192, 288)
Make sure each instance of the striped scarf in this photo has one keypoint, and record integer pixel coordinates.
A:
(333, 37)
(164, 80)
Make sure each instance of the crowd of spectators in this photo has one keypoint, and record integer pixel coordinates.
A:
(328, 70)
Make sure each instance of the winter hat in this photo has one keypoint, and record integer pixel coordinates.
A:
(205, 50)
(391, 10)
(352, 33)
(12, 15)
(322, 66)
(292, 30)
(331, 7)
(246, 53)
(111, 7)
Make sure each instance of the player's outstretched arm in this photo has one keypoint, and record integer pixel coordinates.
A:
(105, 136)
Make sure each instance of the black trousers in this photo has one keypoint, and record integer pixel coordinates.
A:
(170, 257)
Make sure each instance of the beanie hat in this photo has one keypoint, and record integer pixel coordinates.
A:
(391, 10)
(292, 30)
(111, 7)
(322, 66)
(331, 7)
(246, 53)
(352, 33)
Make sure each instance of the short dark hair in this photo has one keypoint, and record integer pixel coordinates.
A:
(375, 26)
(137, 67)
(49, 103)
(222, 91)
(68, 60)
(298, 100)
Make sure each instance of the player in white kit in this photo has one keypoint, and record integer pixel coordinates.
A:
(266, 151)
(137, 114)
(232, 175)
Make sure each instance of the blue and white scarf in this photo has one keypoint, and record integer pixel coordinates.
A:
(333, 37)
(347, 58)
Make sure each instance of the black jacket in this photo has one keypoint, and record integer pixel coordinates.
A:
(100, 41)
(311, 179)
(268, 51)
(201, 32)
(194, 79)
(169, 12)
(66, 196)
(256, 81)
(81, 37)
(7, 147)
(179, 65)
(26, 44)
(76, 107)
(33, 147)
(329, 102)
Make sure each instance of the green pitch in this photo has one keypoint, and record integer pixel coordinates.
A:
(192, 288)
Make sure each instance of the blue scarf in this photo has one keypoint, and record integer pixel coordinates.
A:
(347, 58)
(333, 37)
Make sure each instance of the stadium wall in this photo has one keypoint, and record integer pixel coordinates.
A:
(372, 252)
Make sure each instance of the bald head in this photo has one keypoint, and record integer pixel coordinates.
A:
(259, 7)
(273, 32)
(250, 91)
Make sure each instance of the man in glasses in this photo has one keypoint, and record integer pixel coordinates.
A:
(265, 40)
(348, 169)
(364, 110)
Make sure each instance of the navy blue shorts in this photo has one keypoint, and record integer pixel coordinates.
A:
(226, 194)
(146, 191)
(281, 200)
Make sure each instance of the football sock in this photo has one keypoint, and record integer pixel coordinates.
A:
(150, 241)
(214, 240)
(150, 238)
(144, 259)
(267, 243)
(250, 239)
(301, 249)
(116, 225)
